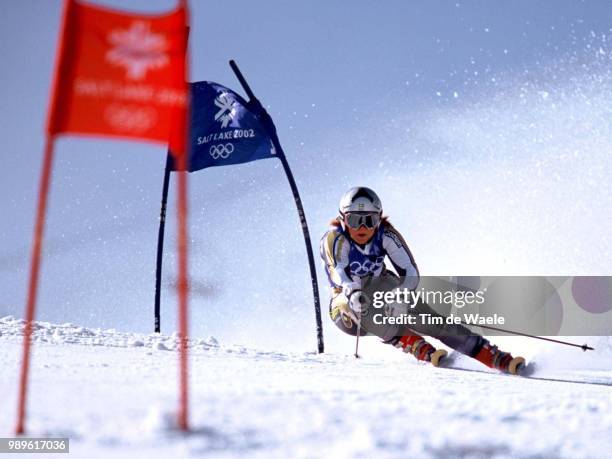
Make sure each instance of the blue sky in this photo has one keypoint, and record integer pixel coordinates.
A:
(484, 125)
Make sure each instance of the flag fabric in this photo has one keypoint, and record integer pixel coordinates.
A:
(121, 75)
(225, 129)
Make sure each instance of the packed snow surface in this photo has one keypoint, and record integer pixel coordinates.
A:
(114, 394)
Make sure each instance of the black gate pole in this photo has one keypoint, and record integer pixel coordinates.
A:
(160, 245)
(271, 130)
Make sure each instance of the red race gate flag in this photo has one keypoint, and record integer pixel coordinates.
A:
(121, 75)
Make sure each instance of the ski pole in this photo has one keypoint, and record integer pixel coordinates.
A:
(584, 347)
(357, 319)
(354, 318)
(357, 339)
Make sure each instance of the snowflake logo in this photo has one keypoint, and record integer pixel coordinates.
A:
(137, 49)
(227, 110)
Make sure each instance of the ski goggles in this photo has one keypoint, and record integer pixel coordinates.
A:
(358, 219)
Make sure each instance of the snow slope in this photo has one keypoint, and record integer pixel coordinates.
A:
(114, 395)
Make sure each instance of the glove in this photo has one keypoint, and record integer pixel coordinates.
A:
(349, 287)
(357, 301)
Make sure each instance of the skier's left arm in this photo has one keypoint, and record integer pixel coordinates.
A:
(401, 258)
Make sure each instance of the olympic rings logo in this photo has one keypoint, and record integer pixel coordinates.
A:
(221, 150)
(367, 267)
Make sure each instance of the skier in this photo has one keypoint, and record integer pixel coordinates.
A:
(353, 251)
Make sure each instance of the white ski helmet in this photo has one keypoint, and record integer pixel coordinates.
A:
(360, 199)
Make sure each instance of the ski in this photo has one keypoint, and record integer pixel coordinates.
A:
(605, 382)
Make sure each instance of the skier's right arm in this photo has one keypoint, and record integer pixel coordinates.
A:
(335, 254)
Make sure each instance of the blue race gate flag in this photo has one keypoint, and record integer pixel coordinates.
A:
(223, 129)
(226, 129)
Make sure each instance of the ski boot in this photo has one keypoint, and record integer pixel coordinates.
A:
(502, 361)
(421, 349)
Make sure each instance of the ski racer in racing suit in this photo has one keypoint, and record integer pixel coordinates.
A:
(354, 250)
